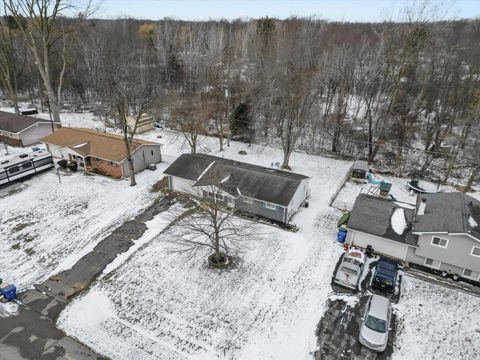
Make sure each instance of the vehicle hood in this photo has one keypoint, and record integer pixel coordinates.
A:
(373, 337)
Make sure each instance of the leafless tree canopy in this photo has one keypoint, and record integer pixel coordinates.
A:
(402, 94)
(211, 226)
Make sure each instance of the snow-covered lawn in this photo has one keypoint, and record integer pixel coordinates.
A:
(47, 226)
(162, 306)
(436, 322)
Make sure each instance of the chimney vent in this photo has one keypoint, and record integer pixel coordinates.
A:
(422, 206)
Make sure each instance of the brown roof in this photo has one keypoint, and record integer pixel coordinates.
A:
(14, 123)
(89, 142)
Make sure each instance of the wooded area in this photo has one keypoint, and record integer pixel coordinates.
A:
(404, 95)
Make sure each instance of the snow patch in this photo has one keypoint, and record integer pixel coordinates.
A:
(79, 145)
(154, 227)
(225, 179)
(205, 171)
(398, 221)
(472, 222)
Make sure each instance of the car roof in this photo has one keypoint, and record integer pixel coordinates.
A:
(386, 263)
(379, 306)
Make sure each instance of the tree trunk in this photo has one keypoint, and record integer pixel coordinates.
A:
(286, 159)
(471, 179)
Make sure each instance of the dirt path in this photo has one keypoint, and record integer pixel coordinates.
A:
(32, 334)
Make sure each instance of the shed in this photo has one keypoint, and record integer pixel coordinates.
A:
(359, 170)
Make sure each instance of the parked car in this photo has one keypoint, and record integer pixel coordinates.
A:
(350, 269)
(385, 277)
(376, 323)
(158, 124)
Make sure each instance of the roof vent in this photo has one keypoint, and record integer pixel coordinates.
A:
(421, 208)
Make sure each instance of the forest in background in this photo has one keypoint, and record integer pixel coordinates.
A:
(404, 95)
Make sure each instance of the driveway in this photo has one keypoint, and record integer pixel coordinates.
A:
(32, 333)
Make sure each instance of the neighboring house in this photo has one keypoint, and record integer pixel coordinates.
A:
(441, 232)
(271, 193)
(145, 123)
(22, 130)
(100, 152)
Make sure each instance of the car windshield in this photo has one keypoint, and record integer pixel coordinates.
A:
(349, 271)
(375, 324)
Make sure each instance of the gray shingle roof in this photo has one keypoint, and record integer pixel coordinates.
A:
(257, 182)
(449, 212)
(372, 215)
(14, 123)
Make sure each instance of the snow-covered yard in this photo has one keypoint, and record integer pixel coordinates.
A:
(436, 322)
(152, 304)
(162, 306)
(47, 226)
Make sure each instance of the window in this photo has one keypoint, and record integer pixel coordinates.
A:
(13, 169)
(437, 241)
(219, 197)
(210, 195)
(475, 251)
(271, 206)
(432, 263)
(27, 165)
(470, 274)
(152, 152)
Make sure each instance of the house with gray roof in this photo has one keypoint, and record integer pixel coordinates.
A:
(441, 231)
(271, 193)
(22, 130)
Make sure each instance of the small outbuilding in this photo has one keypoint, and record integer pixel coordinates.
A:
(100, 152)
(145, 123)
(359, 171)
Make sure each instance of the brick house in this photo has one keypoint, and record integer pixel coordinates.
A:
(101, 153)
(22, 130)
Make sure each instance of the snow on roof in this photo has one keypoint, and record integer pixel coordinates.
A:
(398, 221)
(225, 179)
(79, 145)
(206, 169)
(472, 222)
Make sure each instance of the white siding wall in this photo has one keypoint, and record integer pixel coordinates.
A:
(183, 185)
(59, 152)
(381, 245)
(144, 156)
(298, 198)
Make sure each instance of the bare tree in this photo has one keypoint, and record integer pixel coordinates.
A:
(190, 114)
(211, 225)
(39, 22)
(9, 68)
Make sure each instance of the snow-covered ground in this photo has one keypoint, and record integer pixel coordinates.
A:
(162, 306)
(47, 226)
(152, 304)
(436, 323)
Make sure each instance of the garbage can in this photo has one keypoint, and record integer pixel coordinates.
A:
(9, 292)
(341, 235)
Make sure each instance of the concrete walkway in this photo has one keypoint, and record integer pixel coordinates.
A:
(32, 334)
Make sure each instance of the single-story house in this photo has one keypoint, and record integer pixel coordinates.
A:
(22, 130)
(100, 152)
(271, 193)
(145, 123)
(441, 231)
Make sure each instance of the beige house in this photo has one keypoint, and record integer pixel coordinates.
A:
(100, 152)
(145, 123)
